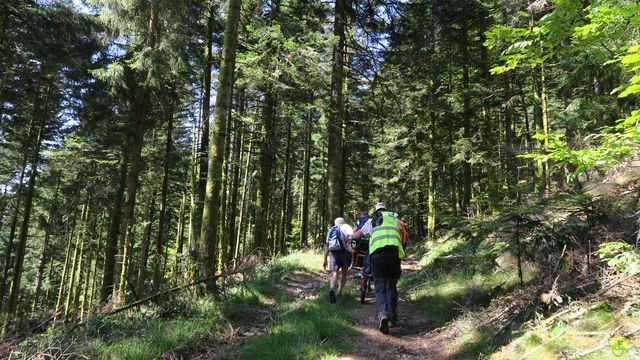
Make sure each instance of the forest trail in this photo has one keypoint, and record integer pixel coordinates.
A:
(412, 338)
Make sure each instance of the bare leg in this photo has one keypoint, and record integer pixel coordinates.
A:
(343, 280)
(333, 277)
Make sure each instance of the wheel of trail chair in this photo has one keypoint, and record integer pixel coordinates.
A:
(363, 289)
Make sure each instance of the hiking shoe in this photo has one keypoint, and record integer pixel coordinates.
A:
(384, 326)
(393, 322)
(332, 296)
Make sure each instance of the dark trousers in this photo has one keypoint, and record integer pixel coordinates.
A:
(386, 272)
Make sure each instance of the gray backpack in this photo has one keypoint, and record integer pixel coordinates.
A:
(334, 243)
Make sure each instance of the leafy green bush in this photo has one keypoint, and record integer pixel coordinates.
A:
(620, 256)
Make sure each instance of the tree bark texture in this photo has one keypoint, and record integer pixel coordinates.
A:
(336, 117)
(211, 211)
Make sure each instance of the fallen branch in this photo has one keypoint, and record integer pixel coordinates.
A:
(171, 290)
(605, 344)
(584, 310)
(581, 311)
(615, 283)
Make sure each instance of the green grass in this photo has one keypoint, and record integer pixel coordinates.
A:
(154, 339)
(185, 320)
(441, 297)
(318, 331)
(145, 335)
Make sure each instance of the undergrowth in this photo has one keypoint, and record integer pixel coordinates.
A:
(474, 261)
(186, 320)
(318, 331)
(590, 331)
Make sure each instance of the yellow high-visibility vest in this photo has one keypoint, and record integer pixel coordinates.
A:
(387, 233)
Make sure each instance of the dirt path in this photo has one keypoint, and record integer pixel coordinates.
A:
(413, 338)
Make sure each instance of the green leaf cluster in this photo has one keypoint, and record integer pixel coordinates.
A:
(620, 256)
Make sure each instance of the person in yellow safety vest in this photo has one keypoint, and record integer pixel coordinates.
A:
(385, 247)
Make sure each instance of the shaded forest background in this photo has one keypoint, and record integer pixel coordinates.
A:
(110, 122)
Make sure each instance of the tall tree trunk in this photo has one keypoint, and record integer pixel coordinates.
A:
(192, 244)
(160, 240)
(267, 152)
(49, 286)
(466, 114)
(211, 211)
(233, 202)
(12, 231)
(267, 158)
(75, 260)
(45, 245)
(244, 204)
(509, 134)
(226, 187)
(539, 123)
(3, 205)
(106, 290)
(180, 236)
(336, 116)
(144, 247)
(545, 124)
(285, 193)
(205, 134)
(139, 124)
(135, 152)
(94, 280)
(85, 287)
(62, 287)
(26, 216)
(81, 267)
(431, 200)
(304, 213)
(84, 266)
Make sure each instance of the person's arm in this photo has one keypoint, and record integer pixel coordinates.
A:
(326, 251)
(365, 230)
(326, 254)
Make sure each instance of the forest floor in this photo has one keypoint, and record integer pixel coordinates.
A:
(413, 338)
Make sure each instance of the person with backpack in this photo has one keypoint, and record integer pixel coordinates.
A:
(385, 247)
(338, 246)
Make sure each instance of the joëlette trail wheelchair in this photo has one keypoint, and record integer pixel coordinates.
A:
(362, 263)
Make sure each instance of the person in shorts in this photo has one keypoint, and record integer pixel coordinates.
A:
(340, 259)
